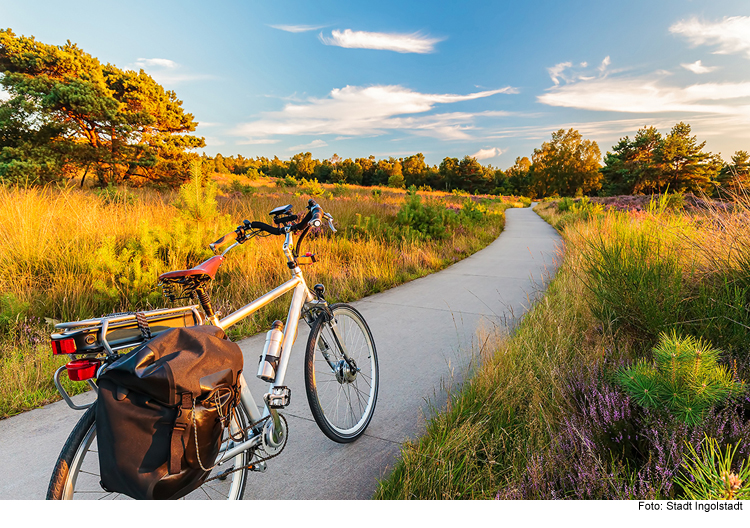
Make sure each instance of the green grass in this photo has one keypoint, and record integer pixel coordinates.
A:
(536, 417)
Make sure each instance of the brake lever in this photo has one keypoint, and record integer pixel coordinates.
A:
(330, 221)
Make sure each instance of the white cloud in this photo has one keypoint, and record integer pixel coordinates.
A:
(165, 71)
(296, 29)
(603, 66)
(698, 67)
(730, 35)
(484, 154)
(647, 95)
(251, 141)
(213, 141)
(157, 63)
(366, 111)
(557, 70)
(318, 143)
(567, 72)
(402, 43)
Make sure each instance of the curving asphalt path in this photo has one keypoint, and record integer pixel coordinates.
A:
(425, 333)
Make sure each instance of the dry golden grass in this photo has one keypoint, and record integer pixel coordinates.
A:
(71, 254)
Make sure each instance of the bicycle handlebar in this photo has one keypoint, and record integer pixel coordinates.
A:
(314, 218)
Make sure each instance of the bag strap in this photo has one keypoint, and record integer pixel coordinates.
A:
(143, 326)
(180, 434)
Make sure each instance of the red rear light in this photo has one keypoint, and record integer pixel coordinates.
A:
(82, 369)
(63, 346)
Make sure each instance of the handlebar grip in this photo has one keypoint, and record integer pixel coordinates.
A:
(317, 217)
(229, 237)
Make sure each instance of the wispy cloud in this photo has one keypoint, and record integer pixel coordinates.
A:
(156, 63)
(647, 95)
(402, 43)
(603, 66)
(698, 67)
(715, 128)
(484, 154)
(295, 28)
(556, 71)
(166, 71)
(214, 141)
(366, 111)
(565, 71)
(730, 35)
(318, 143)
(716, 107)
(258, 141)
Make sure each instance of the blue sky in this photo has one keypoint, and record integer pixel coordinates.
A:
(491, 79)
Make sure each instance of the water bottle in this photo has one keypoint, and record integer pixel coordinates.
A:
(269, 361)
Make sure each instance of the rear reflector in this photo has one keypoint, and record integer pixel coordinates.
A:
(82, 369)
(63, 346)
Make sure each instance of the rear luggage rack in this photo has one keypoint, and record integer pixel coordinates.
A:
(114, 332)
(119, 331)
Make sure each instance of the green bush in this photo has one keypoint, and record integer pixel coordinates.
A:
(12, 310)
(112, 195)
(685, 378)
(635, 278)
(312, 187)
(473, 211)
(424, 220)
(287, 181)
(564, 205)
(236, 186)
(396, 181)
(197, 198)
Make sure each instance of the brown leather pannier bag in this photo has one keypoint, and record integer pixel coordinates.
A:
(160, 400)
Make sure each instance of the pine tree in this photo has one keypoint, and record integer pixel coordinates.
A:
(685, 378)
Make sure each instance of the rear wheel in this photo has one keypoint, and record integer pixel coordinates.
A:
(342, 389)
(76, 474)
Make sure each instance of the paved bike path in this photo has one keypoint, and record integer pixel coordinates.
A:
(425, 333)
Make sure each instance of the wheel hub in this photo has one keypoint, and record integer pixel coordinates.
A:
(345, 373)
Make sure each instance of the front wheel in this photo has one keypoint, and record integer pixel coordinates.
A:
(341, 373)
(76, 474)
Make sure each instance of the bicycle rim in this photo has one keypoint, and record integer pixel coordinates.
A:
(342, 402)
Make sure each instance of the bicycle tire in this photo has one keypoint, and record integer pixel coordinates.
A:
(79, 452)
(333, 387)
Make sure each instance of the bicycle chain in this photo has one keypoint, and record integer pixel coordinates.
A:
(258, 461)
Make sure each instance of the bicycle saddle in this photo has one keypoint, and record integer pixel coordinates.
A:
(208, 267)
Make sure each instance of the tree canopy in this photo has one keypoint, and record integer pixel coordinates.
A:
(66, 111)
(566, 165)
(652, 163)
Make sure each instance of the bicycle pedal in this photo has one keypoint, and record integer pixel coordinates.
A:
(258, 466)
(278, 398)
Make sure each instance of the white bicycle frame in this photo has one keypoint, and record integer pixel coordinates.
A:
(301, 298)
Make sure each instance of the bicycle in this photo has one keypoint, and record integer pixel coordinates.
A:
(340, 368)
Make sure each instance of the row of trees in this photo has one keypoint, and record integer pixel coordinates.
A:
(567, 165)
(649, 163)
(66, 113)
(466, 174)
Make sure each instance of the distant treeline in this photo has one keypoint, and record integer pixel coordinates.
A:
(567, 165)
